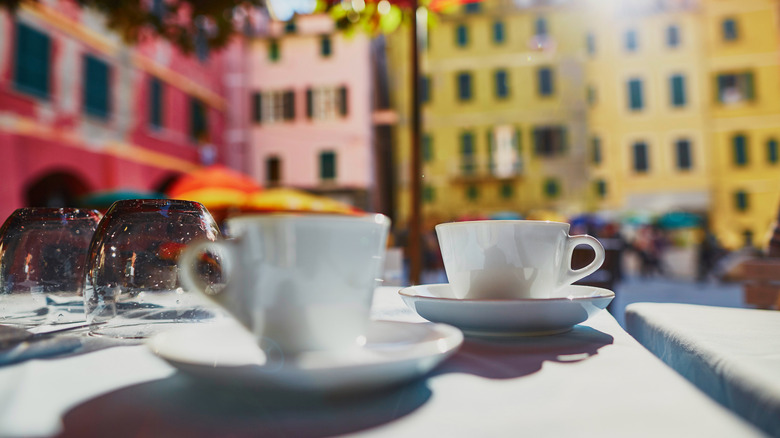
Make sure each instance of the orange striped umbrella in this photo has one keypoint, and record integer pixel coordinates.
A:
(295, 201)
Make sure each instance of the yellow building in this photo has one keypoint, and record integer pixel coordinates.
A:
(685, 113)
(503, 111)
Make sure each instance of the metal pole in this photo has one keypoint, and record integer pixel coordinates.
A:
(415, 223)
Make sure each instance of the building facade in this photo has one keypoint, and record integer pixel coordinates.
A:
(311, 109)
(503, 111)
(80, 111)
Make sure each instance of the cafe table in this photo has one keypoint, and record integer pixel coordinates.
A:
(594, 380)
(731, 354)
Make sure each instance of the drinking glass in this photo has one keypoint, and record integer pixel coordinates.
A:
(132, 287)
(42, 265)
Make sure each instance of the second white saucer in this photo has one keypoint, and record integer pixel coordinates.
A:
(525, 317)
(394, 352)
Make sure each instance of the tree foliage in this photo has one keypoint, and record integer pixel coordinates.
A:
(185, 23)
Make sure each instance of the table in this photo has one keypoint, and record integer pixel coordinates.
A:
(593, 381)
(731, 354)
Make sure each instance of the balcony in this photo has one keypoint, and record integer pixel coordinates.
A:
(477, 169)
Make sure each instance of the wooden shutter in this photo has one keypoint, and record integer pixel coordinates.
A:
(309, 103)
(343, 95)
(257, 107)
(289, 105)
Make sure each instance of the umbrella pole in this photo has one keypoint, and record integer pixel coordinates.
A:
(415, 225)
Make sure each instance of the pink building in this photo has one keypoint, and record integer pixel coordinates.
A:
(311, 109)
(80, 111)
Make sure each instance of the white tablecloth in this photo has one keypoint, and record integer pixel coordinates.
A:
(731, 354)
(593, 381)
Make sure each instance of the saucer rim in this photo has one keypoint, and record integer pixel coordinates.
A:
(452, 334)
(607, 293)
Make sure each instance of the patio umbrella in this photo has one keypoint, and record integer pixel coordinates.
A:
(296, 201)
(679, 219)
(216, 176)
(103, 199)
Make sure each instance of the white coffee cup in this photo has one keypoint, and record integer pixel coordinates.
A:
(298, 282)
(511, 259)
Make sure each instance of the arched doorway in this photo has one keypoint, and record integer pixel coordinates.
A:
(55, 189)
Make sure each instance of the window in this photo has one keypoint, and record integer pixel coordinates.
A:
(273, 171)
(290, 27)
(683, 154)
(501, 84)
(327, 103)
(631, 40)
(499, 35)
(601, 188)
(641, 159)
(552, 188)
(730, 29)
(771, 151)
(677, 87)
(467, 158)
(155, 103)
(545, 83)
(635, 100)
(596, 150)
(672, 36)
(591, 97)
(739, 143)
(326, 48)
(461, 35)
(199, 128)
(327, 165)
(472, 8)
(472, 192)
(590, 43)
(464, 86)
(427, 147)
(549, 141)
(273, 50)
(540, 26)
(96, 87)
(735, 87)
(33, 54)
(428, 194)
(273, 106)
(741, 201)
(425, 89)
(506, 190)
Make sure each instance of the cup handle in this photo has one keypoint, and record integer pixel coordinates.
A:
(189, 258)
(571, 275)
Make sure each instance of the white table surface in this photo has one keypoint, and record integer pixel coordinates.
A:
(593, 381)
(731, 354)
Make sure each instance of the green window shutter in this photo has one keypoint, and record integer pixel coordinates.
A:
(722, 83)
(506, 190)
(33, 54)
(740, 146)
(343, 101)
(741, 201)
(635, 98)
(96, 87)
(563, 139)
(499, 34)
(427, 147)
(467, 152)
(684, 159)
(429, 194)
(489, 139)
(155, 103)
(641, 158)
(327, 165)
(771, 151)
(273, 50)
(552, 188)
(545, 82)
(590, 43)
(326, 48)
(288, 103)
(601, 188)
(257, 107)
(472, 192)
(464, 86)
(677, 85)
(596, 150)
(461, 35)
(750, 92)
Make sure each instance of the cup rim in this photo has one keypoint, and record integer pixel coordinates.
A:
(377, 218)
(503, 221)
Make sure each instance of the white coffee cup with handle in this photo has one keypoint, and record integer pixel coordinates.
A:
(297, 282)
(512, 259)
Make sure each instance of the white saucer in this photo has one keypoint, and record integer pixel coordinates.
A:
(394, 352)
(571, 306)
